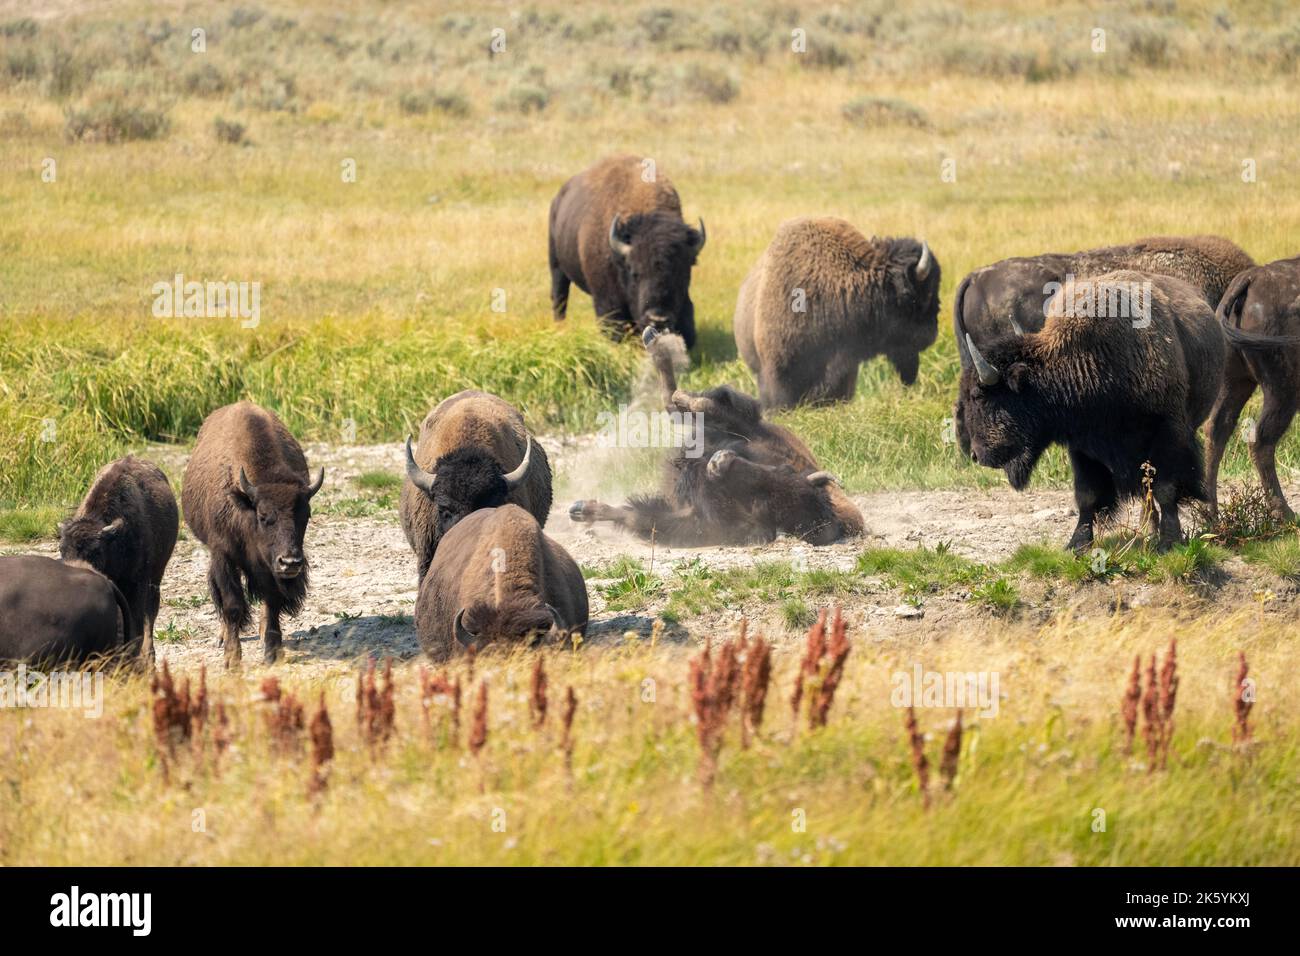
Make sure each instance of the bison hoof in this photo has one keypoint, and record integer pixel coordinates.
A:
(721, 462)
(582, 510)
(649, 335)
(272, 655)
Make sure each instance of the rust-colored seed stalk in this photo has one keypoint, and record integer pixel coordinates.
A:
(322, 748)
(754, 682)
(566, 721)
(478, 733)
(951, 754)
(713, 683)
(1242, 702)
(829, 673)
(537, 697)
(922, 767)
(1132, 698)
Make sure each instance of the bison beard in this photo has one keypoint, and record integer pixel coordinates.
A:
(1115, 395)
(752, 481)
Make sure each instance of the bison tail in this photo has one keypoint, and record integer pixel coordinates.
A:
(1229, 314)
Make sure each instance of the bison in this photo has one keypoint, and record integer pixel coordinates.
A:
(247, 496)
(1011, 295)
(822, 299)
(59, 611)
(498, 578)
(1123, 389)
(751, 480)
(126, 528)
(616, 230)
(1260, 313)
(474, 452)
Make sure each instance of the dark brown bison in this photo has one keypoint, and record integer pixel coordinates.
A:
(1260, 313)
(247, 496)
(59, 611)
(823, 299)
(616, 230)
(1012, 294)
(126, 528)
(1125, 385)
(474, 452)
(750, 480)
(498, 579)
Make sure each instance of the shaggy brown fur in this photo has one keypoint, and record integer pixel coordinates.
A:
(859, 298)
(1260, 312)
(488, 438)
(126, 528)
(513, 584)
(752, 480)
(254, 530)
(1115, 394)
(650, 285)
(59, 611)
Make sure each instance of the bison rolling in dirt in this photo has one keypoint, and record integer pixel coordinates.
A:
(247, 496)
(750, 481)
(59, 611)
(616, 231)
(498, 578)
(1011, 295)
(1260, 314)
(1122, 384)
(474, 452)
(126, 528)
(823, 299)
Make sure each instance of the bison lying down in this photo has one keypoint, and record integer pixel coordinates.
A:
(498, 578)
(59, 611)
(1117, 390)
(753, 481)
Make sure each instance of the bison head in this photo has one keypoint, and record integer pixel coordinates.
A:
(526, 621)
(463, 481)
(105, 547)
(777, 496)
(654, 254)
(276, 513)
(1005, 414)
(916, 291)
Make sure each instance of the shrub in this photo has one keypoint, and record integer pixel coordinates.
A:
(228, 131)
(710, 84)
(873, 111)
(115, 121)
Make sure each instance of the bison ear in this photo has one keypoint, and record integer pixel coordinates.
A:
(1018, 377)
(463, 636)
(698, 237)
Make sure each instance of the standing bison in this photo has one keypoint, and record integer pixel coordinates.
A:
(1260, 313)
(247, 496)
(823, 299)
(1122, 386)
(1012, 294)
(59, 611)
(126, 528)
(616, 230)
(498, 579)
(474, 452)
(751, 481)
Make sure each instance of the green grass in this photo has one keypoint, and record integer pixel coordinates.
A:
(1281, 556)
(378, 481)
(22, 525)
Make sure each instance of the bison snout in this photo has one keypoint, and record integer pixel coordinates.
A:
(288, 565)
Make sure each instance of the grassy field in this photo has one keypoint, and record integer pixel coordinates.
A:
(377, 294)
(384, 176)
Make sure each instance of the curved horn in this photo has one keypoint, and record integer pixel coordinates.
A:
(699, 246)
(463, 636)
(513, 478)
(924, 263)
(819, 478)
(315, 485)
(249, 490)
(113, 527)
(419, 477)
(988, 374)
(1015, 326)
(620, 247)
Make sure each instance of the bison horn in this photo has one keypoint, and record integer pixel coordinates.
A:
(462, 635)
(620, 247)
(1015, 326)
(249, 490)
(699, 246)
(113, 527)
(819, 478)
(419, 477)
(315, 485)
(924, 263)
(513, 478)
(988, 374)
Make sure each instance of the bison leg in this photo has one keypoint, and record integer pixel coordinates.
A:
(559, 290)
(1094, 494)
(1238, 385)
(227, 592)
(270, 632)
(1274, 419)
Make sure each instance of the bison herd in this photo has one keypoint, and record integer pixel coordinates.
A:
(1119, 354)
